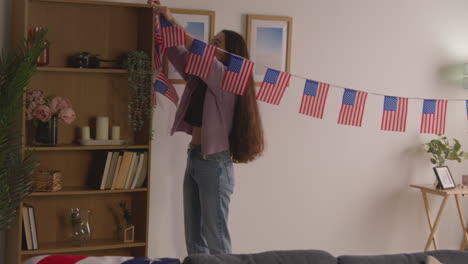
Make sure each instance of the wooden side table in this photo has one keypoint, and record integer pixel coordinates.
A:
(428, 188)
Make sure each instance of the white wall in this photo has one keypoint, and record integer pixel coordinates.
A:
(4, 37)
(321, 185)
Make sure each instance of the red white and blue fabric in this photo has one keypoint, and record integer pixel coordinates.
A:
(273, 86)
(395, 113)
(200, 59)
(172, 35)
(352, 108)
(68, 259)
(159, 50)
(237, 75)
(163, 86)
(314, 98)
(433, 116)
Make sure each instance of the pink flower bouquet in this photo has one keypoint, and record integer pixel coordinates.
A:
(43, 109)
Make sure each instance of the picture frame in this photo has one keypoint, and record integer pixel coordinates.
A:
(269, 41)
(444, 177)
(200, 24)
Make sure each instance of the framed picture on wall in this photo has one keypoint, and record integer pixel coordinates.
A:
(269, 43)
(200, 24)
(444, 177)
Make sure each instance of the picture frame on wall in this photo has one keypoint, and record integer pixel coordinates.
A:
(444, 177)
(269, 43)
(200, 25)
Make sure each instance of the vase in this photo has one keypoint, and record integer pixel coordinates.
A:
(81, 228)
(129, 234)
(46, 132)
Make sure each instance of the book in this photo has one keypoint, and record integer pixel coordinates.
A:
(144, 172)
(106, 170)
(123, 171)
(27, 227)
(132, 170)
(112, 168)
(32, 222)
(116, 171)
(138, 171)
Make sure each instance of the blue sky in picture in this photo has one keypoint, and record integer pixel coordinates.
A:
(196, 29)
(269, 47)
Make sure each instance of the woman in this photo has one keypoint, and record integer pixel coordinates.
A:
(225, 128)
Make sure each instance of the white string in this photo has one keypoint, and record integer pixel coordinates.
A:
(338, 86)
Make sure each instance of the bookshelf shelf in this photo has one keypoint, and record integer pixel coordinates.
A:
(111, 29)
(69, 191)
(93, 245)
(79, 70)
(79, 147)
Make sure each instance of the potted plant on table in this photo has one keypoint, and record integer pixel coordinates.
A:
(442, 150)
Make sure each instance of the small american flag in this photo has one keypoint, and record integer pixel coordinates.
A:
(314, 98)
(200, 59)
(433, 117)
(395, 112)
(352, 108)
(237, 75)
(273, 86)
(163, 86)
(172, 35)
(159, 50)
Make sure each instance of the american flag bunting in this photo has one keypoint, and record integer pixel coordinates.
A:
(163, 86)
(314, 98)
(273, 86)
(200, 59)
(395, 113)
(237, 75)
(352, 108)
(433, 117)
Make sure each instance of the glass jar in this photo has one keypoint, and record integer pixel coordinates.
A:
(81, 228)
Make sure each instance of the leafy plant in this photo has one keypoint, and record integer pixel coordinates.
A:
(140, 109)
(126, 213)
(442, 151)
(16, 69)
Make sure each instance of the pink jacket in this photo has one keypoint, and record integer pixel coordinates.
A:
(218, 109)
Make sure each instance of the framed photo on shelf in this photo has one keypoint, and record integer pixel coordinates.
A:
(269, 43)
(444, 177)
(200, 24)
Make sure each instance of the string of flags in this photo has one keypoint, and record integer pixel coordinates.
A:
(314, 96)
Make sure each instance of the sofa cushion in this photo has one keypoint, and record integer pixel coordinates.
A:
(432, 260)
(413, 258)
(450, 256)
(269, 257)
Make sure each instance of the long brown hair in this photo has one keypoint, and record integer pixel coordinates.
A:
(246, 138)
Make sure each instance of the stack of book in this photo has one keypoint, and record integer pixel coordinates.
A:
(29, 228)
(124, 170)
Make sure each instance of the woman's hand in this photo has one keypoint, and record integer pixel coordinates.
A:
(163, 10)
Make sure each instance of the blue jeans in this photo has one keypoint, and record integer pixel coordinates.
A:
(208, 185)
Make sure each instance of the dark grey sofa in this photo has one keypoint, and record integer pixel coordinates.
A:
(323, 257)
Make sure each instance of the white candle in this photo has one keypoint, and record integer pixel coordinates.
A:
(102, 128)
(85, 133)
(115, 133)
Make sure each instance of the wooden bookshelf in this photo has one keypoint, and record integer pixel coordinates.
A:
(73, 191)
(109, 29)
(80, 70)
(94, 245)
(72, 147)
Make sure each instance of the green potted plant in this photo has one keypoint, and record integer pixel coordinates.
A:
(129, 228)
(442, 150)
(16, 69)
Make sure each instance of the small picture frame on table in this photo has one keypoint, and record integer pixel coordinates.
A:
(444, 177)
